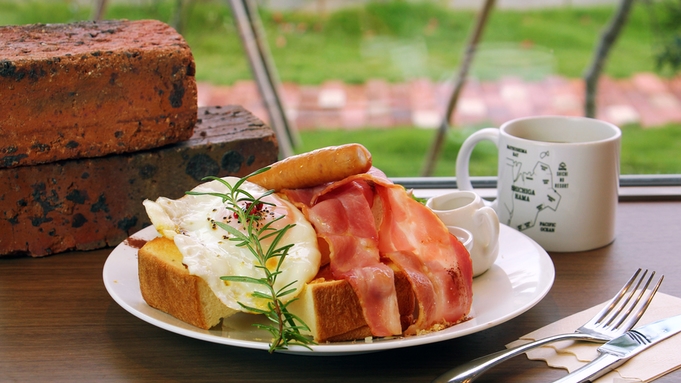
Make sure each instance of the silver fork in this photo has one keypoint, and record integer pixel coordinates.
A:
(617, 317)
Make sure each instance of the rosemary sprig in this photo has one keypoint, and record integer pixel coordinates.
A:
(249, 211)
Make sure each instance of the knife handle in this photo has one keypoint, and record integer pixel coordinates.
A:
(598, 367)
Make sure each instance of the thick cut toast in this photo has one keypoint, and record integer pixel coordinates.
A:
(167, 285)
(333, 312)
(329, 307)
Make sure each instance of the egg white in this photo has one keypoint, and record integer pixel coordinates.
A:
(209, 253)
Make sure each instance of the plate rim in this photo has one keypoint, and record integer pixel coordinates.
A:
(456, 331)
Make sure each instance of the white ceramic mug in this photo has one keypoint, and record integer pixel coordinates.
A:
(467, 210)
(558, 179)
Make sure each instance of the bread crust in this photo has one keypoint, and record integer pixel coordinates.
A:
(333, 312)
(166, 285)
(329, 307)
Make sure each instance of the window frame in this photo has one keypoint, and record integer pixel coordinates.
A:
(633, 187)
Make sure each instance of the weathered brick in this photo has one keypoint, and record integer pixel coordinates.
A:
(59, 82)
(93, 203)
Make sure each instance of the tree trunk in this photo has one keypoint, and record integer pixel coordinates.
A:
(436, 147)
(98, 10)
(608, 38)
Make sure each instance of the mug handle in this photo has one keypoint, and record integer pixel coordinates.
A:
(463, 179)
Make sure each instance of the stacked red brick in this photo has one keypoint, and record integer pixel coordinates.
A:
(95, 118)
(90, 89)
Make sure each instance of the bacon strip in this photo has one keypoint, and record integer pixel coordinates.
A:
(424, 289)
(343, 219)
(402, 230)
(411, 228)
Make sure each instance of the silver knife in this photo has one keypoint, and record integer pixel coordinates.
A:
(624, 347)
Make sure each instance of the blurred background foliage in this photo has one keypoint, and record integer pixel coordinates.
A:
(402, 40)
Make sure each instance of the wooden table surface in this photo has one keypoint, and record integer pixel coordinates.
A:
(57, 322)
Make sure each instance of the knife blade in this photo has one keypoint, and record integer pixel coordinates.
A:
(619, 350)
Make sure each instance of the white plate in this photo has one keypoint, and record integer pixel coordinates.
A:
(519, 279)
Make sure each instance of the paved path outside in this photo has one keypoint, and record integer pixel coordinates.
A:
(645, 99)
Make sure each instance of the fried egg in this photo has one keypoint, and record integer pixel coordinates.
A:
(208, 251)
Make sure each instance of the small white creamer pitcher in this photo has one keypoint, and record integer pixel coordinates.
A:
(467, 210)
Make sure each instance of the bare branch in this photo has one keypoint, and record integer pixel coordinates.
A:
(608, 38)
(436, 147)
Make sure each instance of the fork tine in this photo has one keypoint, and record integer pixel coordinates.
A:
(630, 320)
(607, 309)
(623, 305)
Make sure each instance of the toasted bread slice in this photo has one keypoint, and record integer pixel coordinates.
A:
(333, 312)
(167, 285)
(329, 307)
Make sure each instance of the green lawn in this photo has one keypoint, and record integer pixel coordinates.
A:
(400, 152)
